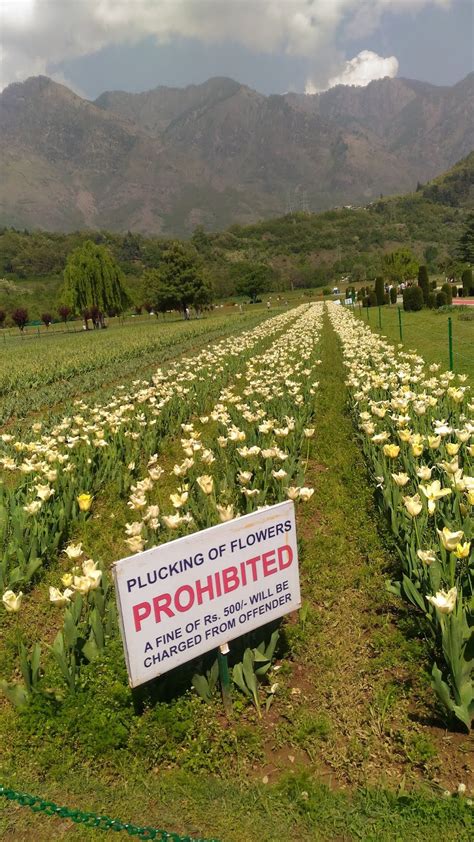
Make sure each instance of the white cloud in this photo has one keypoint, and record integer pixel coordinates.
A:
(359, 71)
(38, 34)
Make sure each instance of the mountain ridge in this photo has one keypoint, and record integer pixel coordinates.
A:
(168, 159)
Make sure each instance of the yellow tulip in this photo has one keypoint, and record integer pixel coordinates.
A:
(391, 450)
(85, 501)
(463, 550)
(449, 539)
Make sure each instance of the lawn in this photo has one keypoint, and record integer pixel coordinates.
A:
(427, 332)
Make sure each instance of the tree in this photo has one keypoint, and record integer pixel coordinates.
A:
(46, 318)
(413, 298)
(92, 279)
(448, 291)
(380, 290)
(64, 312)
(201, 241)
(400, 265)
(424, 282)
(430, 254)
(465, 247)
(20, 317)
(253, 279)
(178, 282)
(466, 282)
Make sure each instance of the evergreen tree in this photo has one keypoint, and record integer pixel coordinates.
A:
(413, 298)
(465, 247)
(467, 282)
(380, 290)
(424, 282)
(178, 282)
(93, 281)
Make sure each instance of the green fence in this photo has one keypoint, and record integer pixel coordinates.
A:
(93, 820)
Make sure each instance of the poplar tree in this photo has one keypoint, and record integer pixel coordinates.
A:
(380, 290)
(424, 282)
(94, 282)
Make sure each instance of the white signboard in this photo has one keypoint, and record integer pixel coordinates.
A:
(191, 595)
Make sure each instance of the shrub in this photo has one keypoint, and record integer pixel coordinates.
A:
(424, 281)
(380, 290)
(447, 288)
(413, 298)
(466, 282)
(431, 300)
(441, 299)
(393, 295)
(3, 316)
(327, 291)
(373, 298)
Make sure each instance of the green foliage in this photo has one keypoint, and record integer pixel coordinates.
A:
(448, 291)
(253, 279)
(255, 665)
(380, 290)
(467, 282)
(393, 295)
(400, 265)
(205, 685)
(465, 246)
(413, 298)
(424, 282)
(178, 283)
(92, 279)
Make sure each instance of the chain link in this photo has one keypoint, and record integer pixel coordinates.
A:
(49, 808)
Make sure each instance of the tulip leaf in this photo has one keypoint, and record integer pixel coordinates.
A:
(15, 693)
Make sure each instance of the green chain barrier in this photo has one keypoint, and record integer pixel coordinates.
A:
(39, 805)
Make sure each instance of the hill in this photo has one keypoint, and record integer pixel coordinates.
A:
(167, 160)
(299, 249)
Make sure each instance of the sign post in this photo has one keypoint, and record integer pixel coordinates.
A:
(189, 596)
(224, 678)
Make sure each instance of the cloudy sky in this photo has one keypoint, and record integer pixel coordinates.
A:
(271, 45)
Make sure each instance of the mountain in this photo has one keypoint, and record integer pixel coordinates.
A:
(170, 159)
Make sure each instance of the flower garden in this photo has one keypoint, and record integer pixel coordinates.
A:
(376, 449)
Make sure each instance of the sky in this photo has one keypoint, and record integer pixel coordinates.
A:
(273, 46)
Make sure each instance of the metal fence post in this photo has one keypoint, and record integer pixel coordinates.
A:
(380, 318)
(450, 343)
(400, 328)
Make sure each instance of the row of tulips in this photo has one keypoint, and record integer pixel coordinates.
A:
(247, 452)
(417, 430)
(50, 479)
